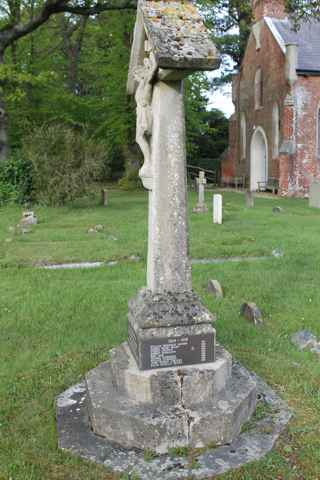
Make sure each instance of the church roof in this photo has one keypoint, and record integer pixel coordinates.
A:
(307, 37)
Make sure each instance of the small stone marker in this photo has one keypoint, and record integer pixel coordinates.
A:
(314, 194)
(277, 252)
(217, 209)
(104, 197)
(96, 229)
(28, 218)
(249, 199)
(215, 288)
(304, 339)
(201, 207)
(277, 210)
(251, 312)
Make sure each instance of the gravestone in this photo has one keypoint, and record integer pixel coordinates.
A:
(104, 197)
(201, 182)
(170, 385)
(215, 288)
(251, 312)
(217, 209)
(314, 194)
(249, 199)
(277, 210)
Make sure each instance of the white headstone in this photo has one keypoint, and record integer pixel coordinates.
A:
(217, 209)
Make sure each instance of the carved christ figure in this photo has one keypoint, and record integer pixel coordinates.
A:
(144, 76)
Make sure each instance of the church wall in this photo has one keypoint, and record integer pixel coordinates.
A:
(306, 164)
(229, 163)
(272, 62)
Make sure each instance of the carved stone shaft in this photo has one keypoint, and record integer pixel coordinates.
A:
(168, 263)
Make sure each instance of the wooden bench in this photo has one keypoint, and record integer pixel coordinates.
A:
(272, 184)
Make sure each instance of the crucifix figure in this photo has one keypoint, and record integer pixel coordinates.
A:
(144, 75)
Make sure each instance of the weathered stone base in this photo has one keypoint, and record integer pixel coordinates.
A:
(258, 437)
(192, 406)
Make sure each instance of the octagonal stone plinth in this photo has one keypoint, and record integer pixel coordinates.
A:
(167, 408)
(191, 385)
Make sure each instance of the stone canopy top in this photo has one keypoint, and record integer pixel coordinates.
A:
(176, 35)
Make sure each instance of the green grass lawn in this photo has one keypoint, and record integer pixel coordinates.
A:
(56, 325)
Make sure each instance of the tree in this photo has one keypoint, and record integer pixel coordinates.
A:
(20, 18)
(301, 10)
(207, 130)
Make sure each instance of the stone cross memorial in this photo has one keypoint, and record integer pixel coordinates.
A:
(201, 182)
(170, 385)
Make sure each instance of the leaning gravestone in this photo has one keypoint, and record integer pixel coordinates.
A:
(251, 312)
(170, 385)
(201, 207)
(314, 194)
(215, 288)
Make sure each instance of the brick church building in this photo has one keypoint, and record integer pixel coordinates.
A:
(274, 134)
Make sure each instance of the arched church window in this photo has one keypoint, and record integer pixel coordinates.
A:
(243, 136)
(275, 130)
(258, 89)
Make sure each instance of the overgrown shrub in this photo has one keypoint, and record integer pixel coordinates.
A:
(65, 163)
(131, 181)
(15, 179)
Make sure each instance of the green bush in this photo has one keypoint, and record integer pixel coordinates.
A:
(131, 181)
(15, 179)
(65, 163)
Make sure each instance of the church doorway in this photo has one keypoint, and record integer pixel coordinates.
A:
(258, 159)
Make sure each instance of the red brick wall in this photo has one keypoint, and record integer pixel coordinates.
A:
(306, 164)
(229, 162)
(268, 8)
(271, 60)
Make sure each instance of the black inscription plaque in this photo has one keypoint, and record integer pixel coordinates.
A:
(177, 351)
(172, 351)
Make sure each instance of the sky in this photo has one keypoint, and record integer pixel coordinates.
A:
(221, 99)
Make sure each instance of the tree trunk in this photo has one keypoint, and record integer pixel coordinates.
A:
(73, 34)
(4, 140)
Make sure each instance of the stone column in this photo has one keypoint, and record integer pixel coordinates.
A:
(168, 325)
(168, 262)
